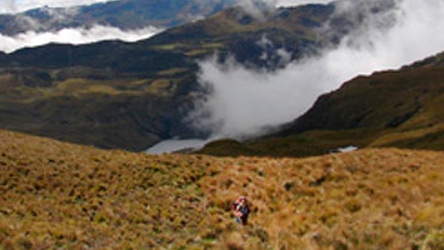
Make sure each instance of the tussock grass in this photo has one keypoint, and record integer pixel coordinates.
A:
(60, 195)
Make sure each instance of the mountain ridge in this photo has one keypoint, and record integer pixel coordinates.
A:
(124, 14)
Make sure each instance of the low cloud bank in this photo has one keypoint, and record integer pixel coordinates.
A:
(241, 102)
(73, 36)
(15, 6)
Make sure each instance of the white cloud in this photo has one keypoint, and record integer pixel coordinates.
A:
(286, 3)
(12, 6)
(242, 102)
(282, 3)
(73, 36)
(7, 6)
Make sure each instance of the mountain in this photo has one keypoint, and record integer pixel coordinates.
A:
(399, 108)
(239, 33)
(123, 14)
(131, 95)
(56, 194)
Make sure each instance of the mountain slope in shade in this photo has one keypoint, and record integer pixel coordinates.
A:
(123, 14)
(399, 101)
(57, 194)
(401, 108)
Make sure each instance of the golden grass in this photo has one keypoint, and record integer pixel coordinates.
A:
(80, 86)
(169, 46)
(97, 89)
(198, 52)
(160, 86)
(172, 71)
(60, 195)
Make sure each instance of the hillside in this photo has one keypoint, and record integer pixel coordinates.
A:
(123, 14)
(400, 108)
(60, 195)
(131, 95)
(238, 33)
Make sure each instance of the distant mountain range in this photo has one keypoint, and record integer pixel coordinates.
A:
(123, 14)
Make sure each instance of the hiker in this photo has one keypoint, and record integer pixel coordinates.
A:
(241, 210)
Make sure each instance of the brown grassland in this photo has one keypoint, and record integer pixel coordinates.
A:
(56, 195)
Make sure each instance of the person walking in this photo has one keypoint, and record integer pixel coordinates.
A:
(241, 210)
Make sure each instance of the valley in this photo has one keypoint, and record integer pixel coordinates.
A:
(133, 95)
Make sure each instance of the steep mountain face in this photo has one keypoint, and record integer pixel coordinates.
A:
(131, 95)
(124, 14)
(400, 108)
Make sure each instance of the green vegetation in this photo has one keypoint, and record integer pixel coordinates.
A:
(60, 195)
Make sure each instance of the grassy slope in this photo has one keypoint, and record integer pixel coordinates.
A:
(238, 32)
(59, 195)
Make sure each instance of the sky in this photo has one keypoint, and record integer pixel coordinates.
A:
(243, 103)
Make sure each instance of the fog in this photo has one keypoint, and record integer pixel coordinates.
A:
(73, 36)
(241, 102)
